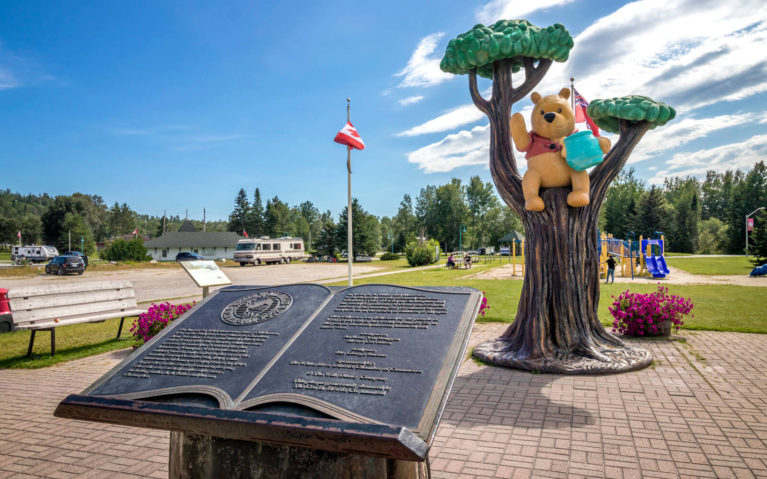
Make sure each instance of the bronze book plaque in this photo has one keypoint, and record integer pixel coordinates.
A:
(371, 360)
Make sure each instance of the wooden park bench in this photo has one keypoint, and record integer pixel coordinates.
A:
(50, 306)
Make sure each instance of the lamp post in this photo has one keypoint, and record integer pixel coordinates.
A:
(747, 216)
(460, 237)
(391, 237)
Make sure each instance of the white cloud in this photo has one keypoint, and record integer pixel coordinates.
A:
(689, 53)
(680, 133)
(7, 80)
(411, 100)
(732, 156)
(452, 119)
(507, 9)
(459, 149)
(422, 70)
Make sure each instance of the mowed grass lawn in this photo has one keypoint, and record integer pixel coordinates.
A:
(733, 265)
(717, 307)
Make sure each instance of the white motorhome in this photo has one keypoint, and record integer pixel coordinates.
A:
(269, 250)
(33, 253)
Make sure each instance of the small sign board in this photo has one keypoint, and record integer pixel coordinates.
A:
(205, 273)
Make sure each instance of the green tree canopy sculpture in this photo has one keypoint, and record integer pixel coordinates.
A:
(506, 39)
(557, 328)
(608, 113)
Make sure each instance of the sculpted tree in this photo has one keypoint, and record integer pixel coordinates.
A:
(557, 328)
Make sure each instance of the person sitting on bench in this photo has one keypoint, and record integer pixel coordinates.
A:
(467, 260)
(450, 262)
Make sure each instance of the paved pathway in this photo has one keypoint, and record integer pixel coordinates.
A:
(699, 411)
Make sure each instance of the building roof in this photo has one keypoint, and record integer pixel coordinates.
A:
(197, 239)
(187, 227)
(513, 236)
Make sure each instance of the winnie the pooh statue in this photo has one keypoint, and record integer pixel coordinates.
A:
(552, 120)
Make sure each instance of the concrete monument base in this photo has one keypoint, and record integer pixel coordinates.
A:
(195, 456)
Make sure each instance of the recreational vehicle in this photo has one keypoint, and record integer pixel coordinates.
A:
(33, 253)
(268, 250)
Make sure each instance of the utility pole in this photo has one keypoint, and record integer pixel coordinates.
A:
(70, 240)
(203, 219)
(163, 222)
(186, 216)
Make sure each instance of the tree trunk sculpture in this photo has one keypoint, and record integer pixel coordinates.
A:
(557, 327)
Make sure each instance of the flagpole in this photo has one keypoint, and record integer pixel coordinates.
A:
(349, 252)
(572, 94)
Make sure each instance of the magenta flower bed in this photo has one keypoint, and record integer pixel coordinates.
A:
(156, 318)
(638, 314)
(483, 306)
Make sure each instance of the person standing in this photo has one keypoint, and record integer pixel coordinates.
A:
(610, 269)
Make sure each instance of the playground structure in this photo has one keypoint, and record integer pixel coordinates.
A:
(644, 257)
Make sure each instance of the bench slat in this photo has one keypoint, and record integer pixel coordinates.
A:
(24, 303)
(66, 287)
(64, 312)
(45, 324)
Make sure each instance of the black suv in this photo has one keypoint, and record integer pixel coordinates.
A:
(77, 253)
(65, 264)
(189, 256)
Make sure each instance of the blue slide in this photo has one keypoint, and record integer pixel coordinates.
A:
(654, 266)
(662, 267)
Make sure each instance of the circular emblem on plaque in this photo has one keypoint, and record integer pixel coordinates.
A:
(256, 308)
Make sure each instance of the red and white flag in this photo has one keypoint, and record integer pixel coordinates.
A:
(18, 235)
(348, 136)
(580, 113)
(245, 233)
(135, 232)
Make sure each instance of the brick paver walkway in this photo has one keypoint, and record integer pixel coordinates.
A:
(699, 411)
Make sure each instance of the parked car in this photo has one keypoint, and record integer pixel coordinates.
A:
(189, 256)
(65, 264)
(77, 253)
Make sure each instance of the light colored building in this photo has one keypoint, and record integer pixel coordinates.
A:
(210, 245)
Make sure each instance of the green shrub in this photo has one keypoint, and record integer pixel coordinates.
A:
(423, 254)
(389, 256)
(121, 250)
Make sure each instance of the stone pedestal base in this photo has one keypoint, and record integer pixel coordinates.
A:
(194, 456)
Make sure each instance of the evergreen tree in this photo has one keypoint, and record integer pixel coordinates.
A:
(327, 243)
(256, 216)
(277, 218)
(238, 220)
(650, 214)
(75, 228)
(364, 230)
(749, 191)
(618, 212)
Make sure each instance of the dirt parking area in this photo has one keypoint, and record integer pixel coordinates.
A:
(676, 276)
(174, 283)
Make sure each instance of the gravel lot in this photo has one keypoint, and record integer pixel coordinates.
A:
(161, 284)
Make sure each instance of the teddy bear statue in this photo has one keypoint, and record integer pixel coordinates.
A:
(552, 121)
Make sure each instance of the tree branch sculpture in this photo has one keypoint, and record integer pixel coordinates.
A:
(557, 327)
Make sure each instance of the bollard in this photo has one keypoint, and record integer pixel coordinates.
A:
(5, 312)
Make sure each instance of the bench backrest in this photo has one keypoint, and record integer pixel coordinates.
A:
(39, 304)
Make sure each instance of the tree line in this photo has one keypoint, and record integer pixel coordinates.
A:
(697, 216)
(78, 219)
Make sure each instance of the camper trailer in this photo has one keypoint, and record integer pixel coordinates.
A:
(33, 253)
(268, 250)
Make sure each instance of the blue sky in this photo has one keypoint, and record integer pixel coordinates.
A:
(174, 106)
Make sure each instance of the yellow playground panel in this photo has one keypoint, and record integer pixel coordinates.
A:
(627, 254)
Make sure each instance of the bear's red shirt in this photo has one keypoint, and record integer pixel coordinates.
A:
(539, 145)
